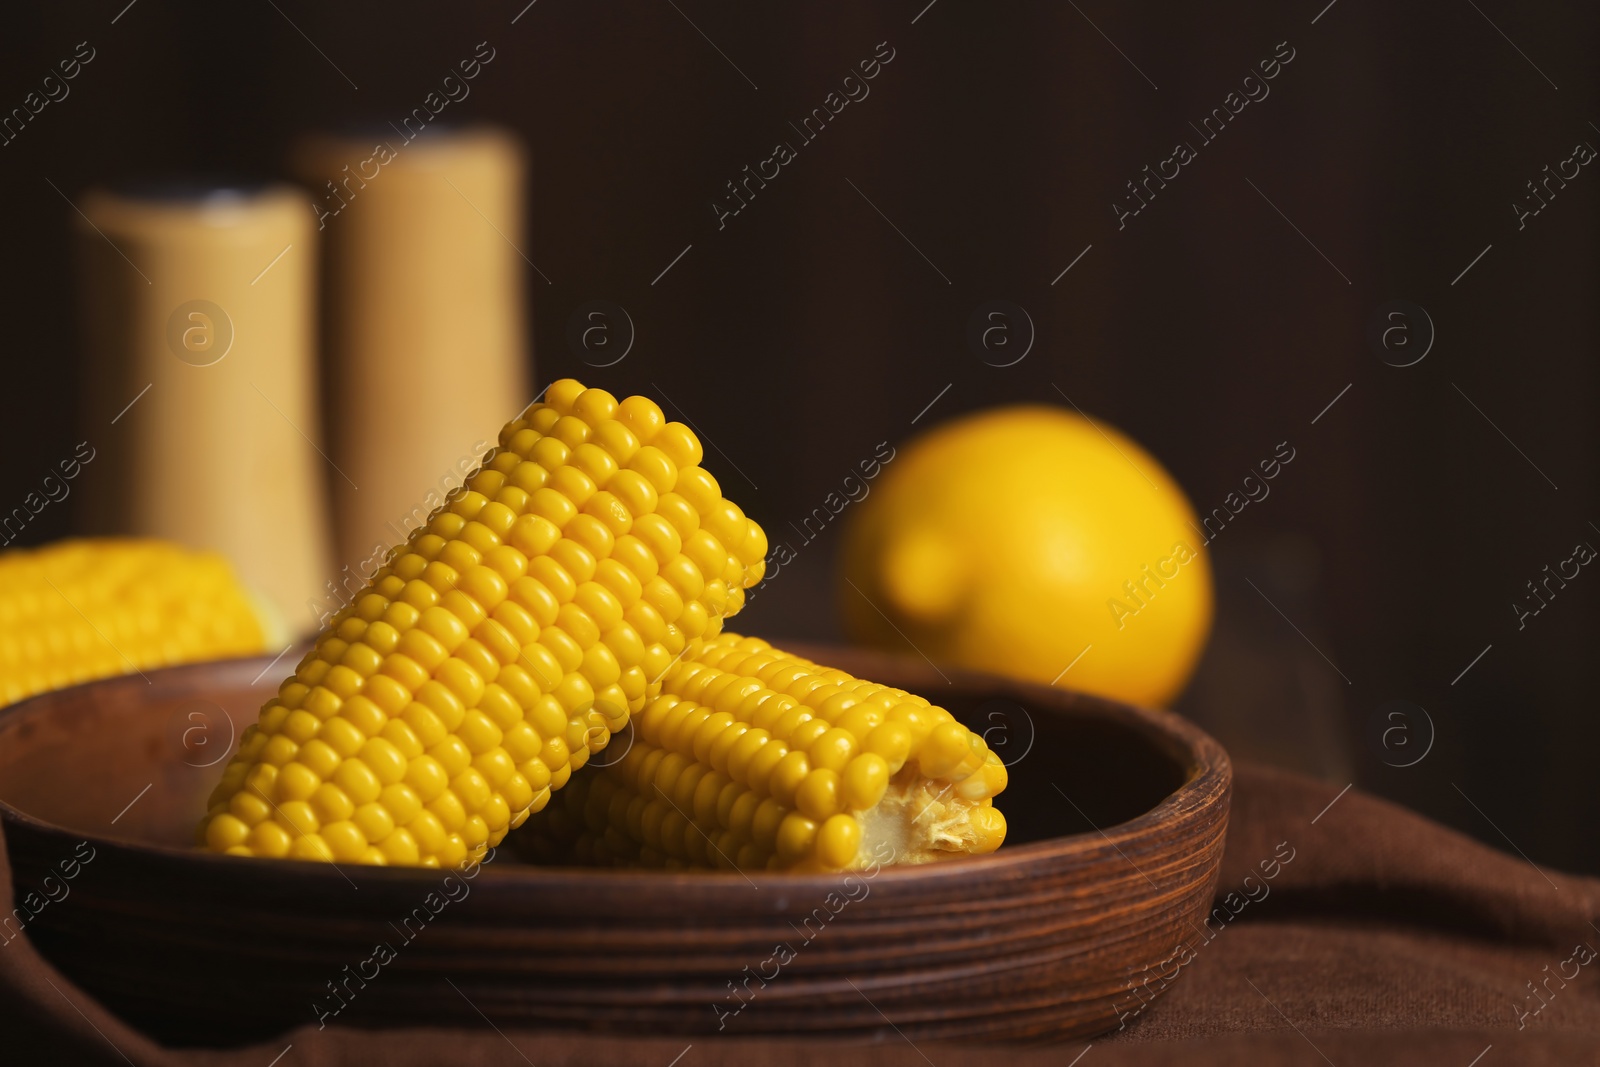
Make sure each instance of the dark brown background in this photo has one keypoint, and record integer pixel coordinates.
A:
(808, 330)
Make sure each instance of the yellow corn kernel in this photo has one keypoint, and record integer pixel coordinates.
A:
(845, 775)
(82, 609)
(500, 646)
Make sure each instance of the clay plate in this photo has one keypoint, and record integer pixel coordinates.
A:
(1116, 814)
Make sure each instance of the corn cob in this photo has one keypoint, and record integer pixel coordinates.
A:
(92, 608)
(498, 647)
(752, 758)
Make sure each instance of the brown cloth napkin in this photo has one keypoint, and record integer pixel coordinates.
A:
(1382, 938)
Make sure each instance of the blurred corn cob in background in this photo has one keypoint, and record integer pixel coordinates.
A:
(498, 647)
(752, 758)
(84, 609)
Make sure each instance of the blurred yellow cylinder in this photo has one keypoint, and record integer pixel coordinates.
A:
(426, 337)
(201, 382)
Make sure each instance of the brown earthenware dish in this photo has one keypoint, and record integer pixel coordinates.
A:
(1116, 816)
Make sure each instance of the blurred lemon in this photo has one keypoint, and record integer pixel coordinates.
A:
(1027, 540)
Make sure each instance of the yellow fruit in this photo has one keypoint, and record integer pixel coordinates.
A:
(1020, 539)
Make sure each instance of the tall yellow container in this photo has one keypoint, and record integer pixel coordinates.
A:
(424, 318)
(201, 381)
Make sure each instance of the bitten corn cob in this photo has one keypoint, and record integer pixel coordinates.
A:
(754, 758)
(499, 646)
(83, 609)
